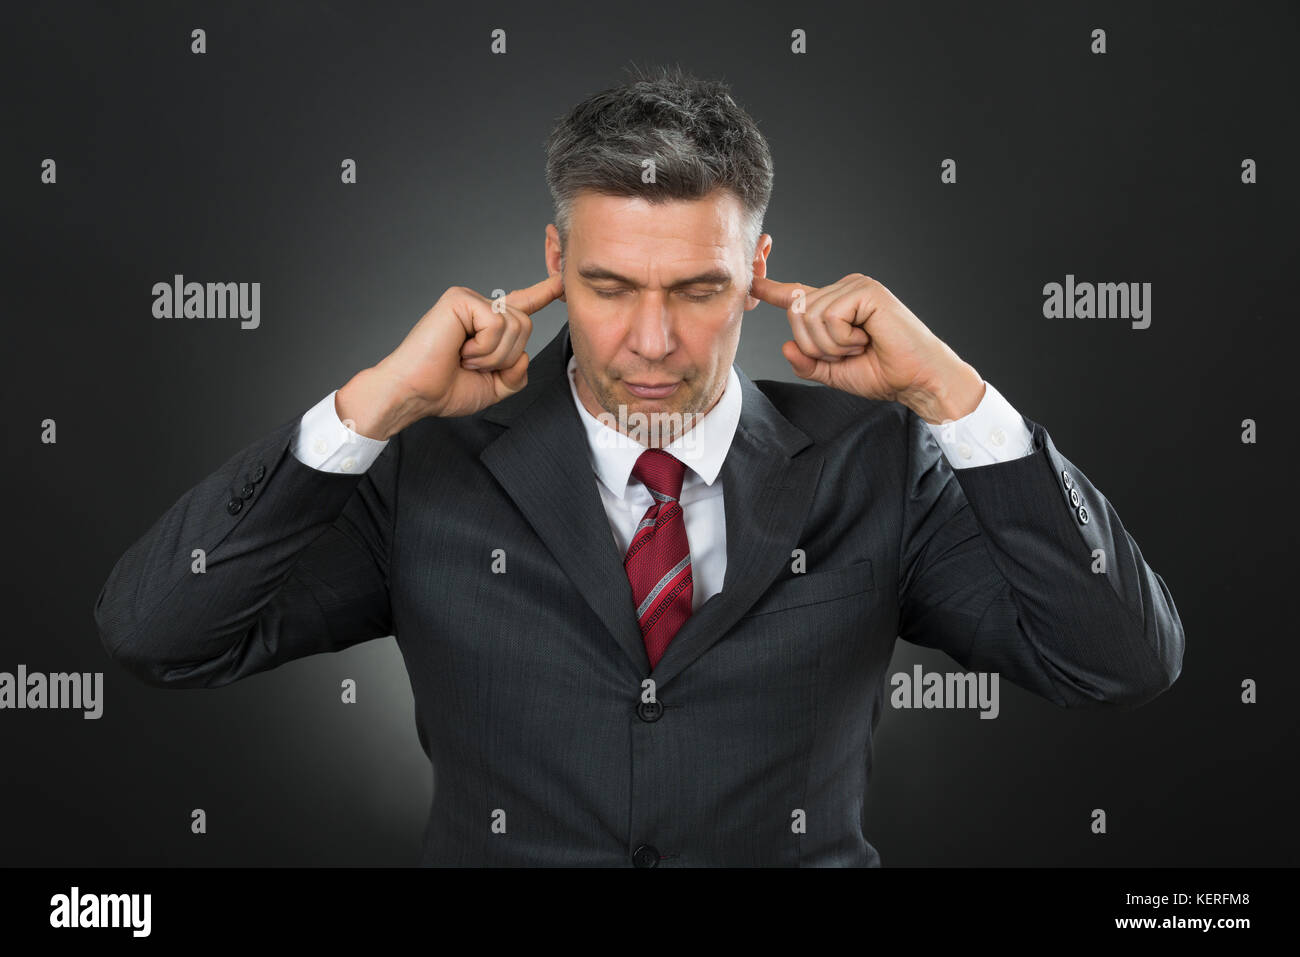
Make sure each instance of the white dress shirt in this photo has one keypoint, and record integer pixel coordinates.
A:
(993, 432)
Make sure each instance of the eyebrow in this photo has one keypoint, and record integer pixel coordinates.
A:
(712, 276)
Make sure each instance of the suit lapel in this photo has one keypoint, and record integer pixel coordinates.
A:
(542, 462)
(767, 491)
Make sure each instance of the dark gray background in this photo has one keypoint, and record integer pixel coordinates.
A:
(225, 167)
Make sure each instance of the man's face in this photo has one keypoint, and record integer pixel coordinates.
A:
(655, 295)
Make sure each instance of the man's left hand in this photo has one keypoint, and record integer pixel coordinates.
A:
(856, 336)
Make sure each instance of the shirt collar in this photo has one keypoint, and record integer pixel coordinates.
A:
(702, 448)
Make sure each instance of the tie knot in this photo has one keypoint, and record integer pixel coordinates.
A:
(661, 472)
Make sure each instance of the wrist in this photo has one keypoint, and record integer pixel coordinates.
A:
(376, 404)
(953, 395)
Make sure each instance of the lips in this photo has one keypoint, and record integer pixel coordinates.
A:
(652, 390)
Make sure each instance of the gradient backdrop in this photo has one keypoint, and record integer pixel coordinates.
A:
(1122, 167)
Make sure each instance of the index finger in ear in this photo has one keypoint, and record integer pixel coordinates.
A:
(538, 295)
(779, 294)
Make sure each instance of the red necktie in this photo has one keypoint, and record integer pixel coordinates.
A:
(658, 562)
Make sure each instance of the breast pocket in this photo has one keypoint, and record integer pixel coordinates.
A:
(814, 588)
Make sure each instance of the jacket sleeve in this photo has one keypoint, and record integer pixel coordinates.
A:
(1001, 566)
(295, 562)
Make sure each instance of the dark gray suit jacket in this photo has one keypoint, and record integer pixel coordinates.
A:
(528, 684)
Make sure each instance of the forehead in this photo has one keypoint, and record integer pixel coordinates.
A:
(631, 229)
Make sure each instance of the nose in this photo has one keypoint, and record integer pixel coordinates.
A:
(650, 331)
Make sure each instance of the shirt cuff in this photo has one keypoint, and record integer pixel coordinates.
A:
(994, 432)
(326, 444)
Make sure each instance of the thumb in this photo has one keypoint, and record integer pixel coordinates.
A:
(509, 381)
(804, 367)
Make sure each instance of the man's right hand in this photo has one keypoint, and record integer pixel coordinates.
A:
(462, 356)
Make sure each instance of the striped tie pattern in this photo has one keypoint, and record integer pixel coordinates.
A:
(658, 562)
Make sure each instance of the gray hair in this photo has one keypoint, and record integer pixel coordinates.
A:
(699, 138)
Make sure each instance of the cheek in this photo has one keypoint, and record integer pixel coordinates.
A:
(713, 332)
(590, 323)
(598, 354)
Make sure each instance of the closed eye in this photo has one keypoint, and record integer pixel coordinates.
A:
(611, 293)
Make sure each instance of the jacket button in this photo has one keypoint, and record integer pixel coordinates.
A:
(650, 710)
(234, 505)
(1075, 500)
(259, 473)
(247, 490)
(645, 856)
(1083, 515)
(1067, 479)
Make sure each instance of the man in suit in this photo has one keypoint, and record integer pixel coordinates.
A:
(660, 646)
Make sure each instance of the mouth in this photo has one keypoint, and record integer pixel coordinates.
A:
(651, 390)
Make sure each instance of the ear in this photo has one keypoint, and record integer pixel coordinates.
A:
(759, 266)
(551, 253)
